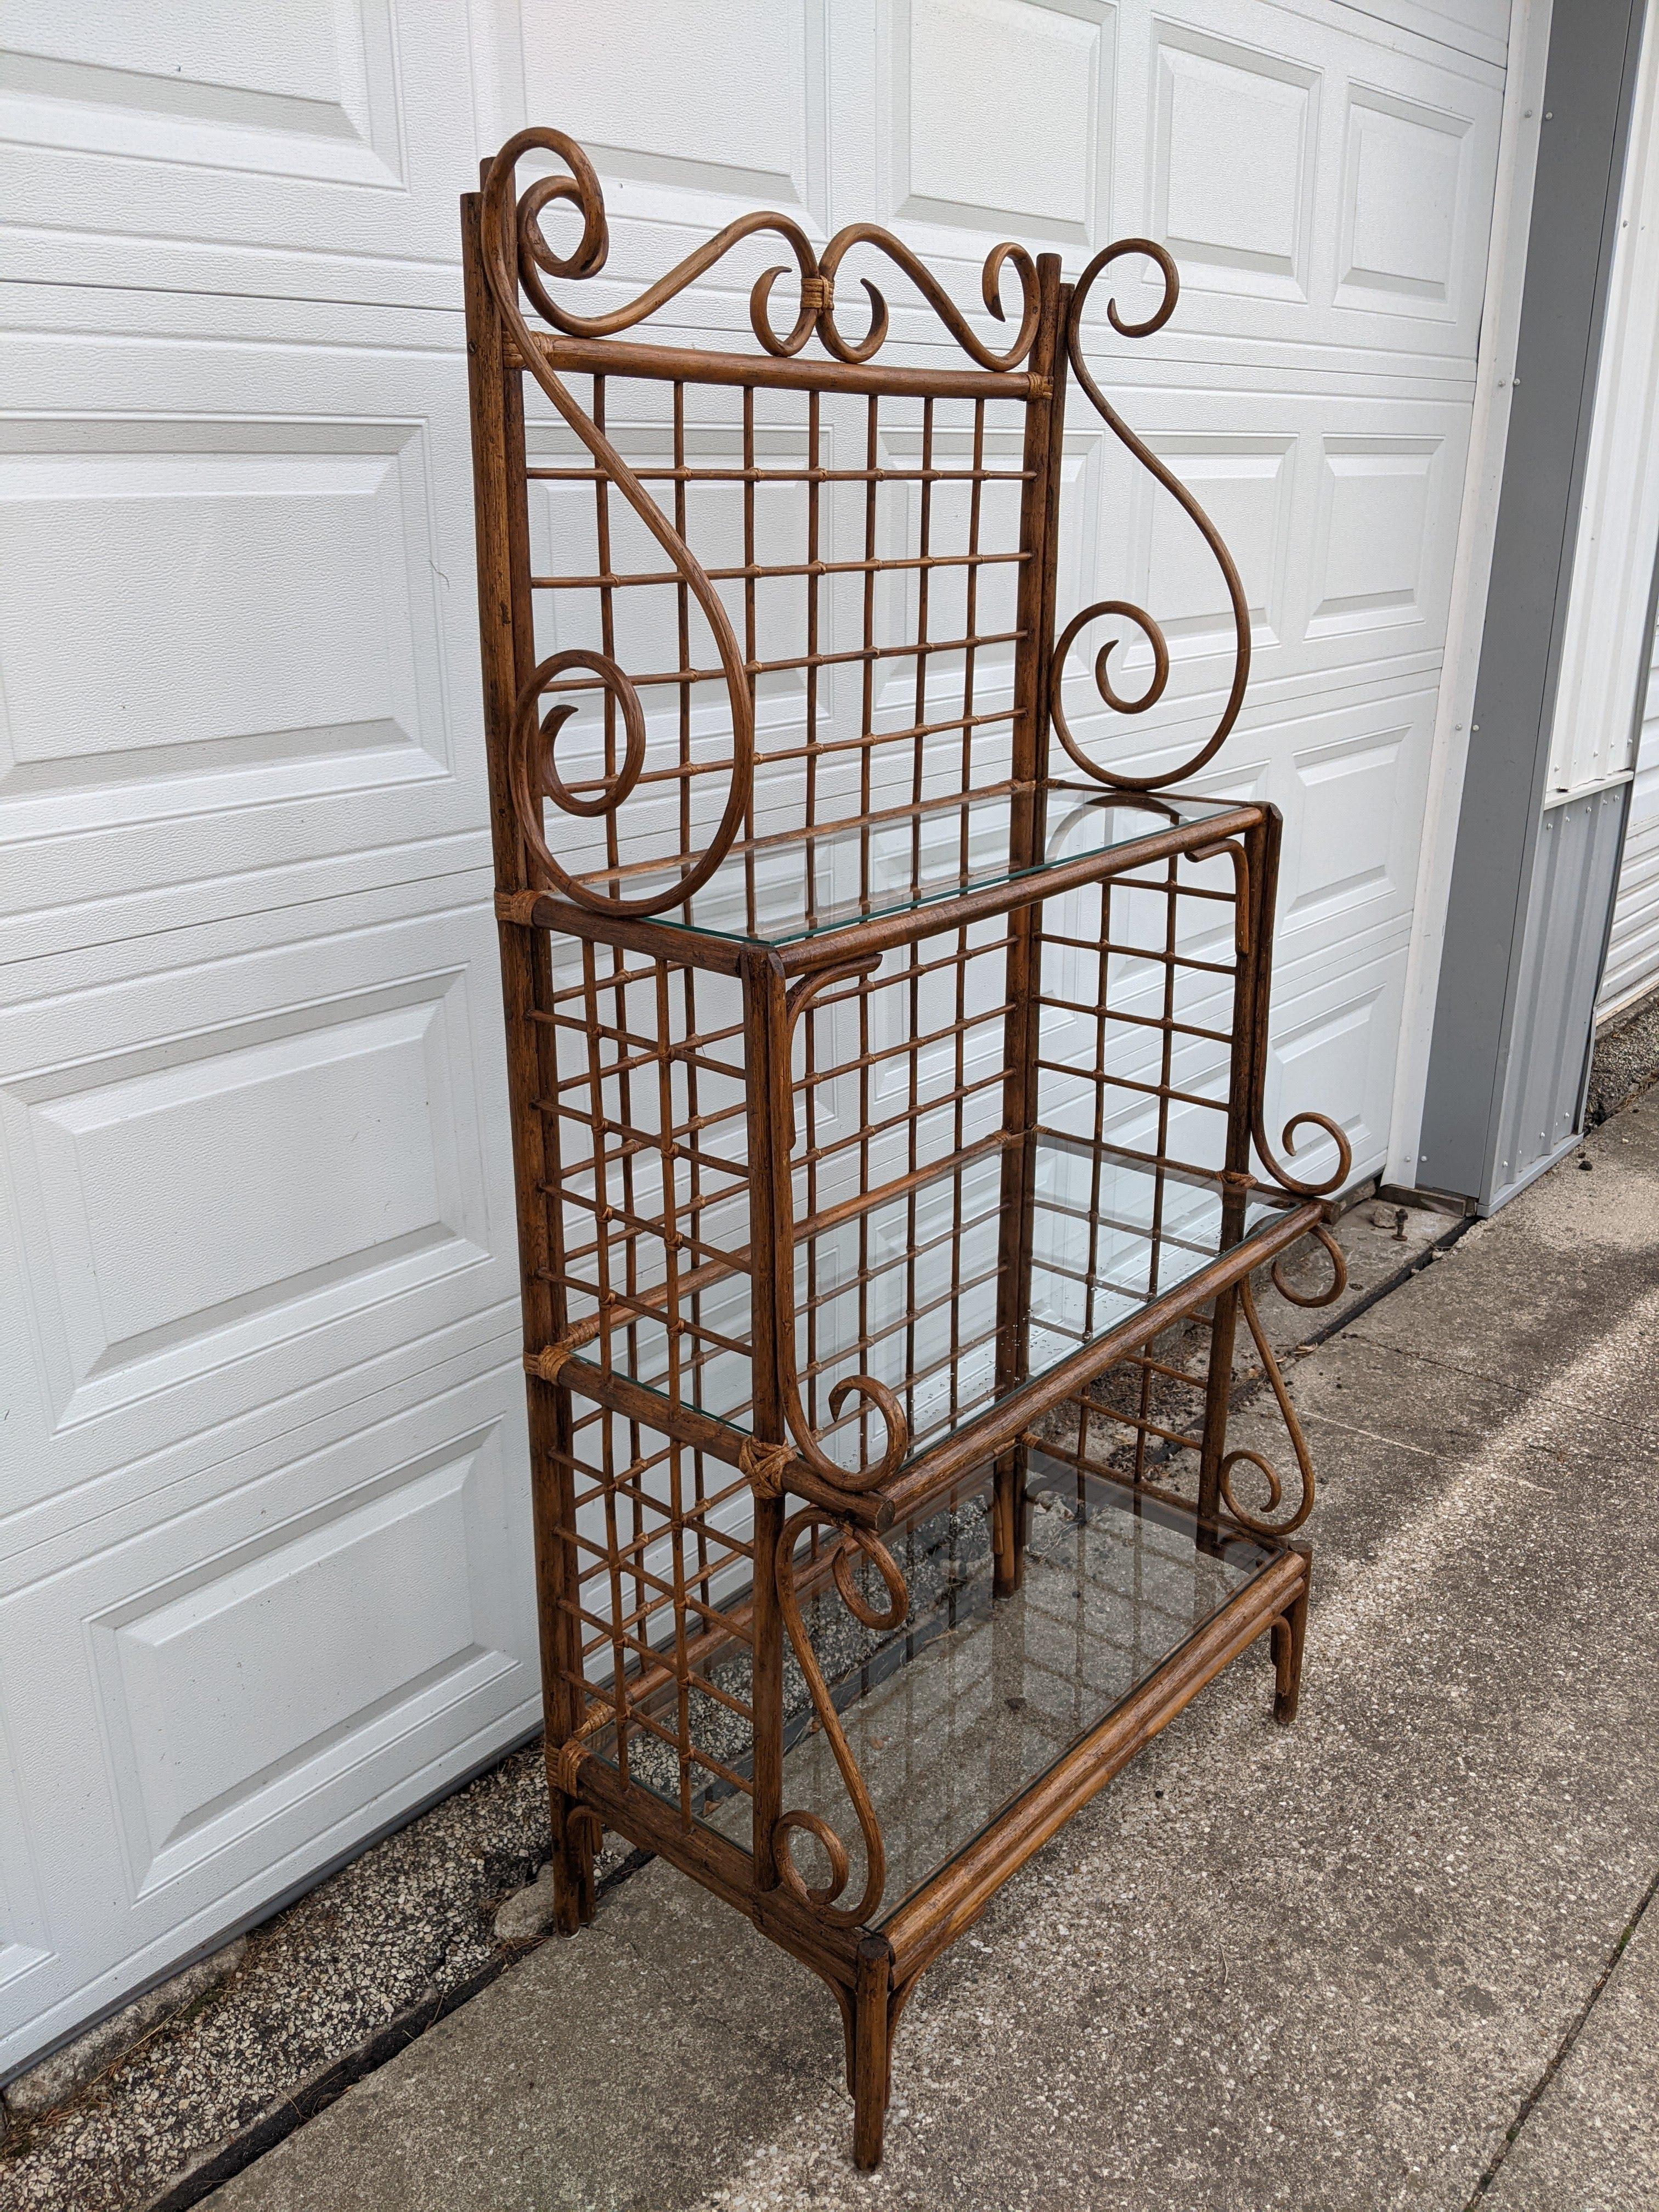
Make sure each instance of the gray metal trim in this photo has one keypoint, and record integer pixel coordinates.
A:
(1570, 895)
(1589, 86)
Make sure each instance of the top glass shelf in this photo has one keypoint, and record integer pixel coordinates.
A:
(784, 891)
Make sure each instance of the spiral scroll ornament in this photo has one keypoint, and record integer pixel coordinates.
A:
(532, 774)
(1339, 1283)
(1259, 1523)
(811, 990)
(1297, 1187)
(521, 233)
(853, 1543)
(1125, 610)
(516, 252)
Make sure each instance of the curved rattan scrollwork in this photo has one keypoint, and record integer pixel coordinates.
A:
(807, 992)
(1339, 1261)
(1126, 610)
(515, 252)
(1002, 256)
(815, 272)
(852, 1541)
(531, 770)
(1246, 1517)
(1276, 1167)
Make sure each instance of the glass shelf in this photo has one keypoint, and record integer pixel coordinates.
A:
(906, 1290)
(954, 1713)
(784, 891)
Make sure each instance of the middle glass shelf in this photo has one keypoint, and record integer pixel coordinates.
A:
(907, 1285)
(906, 860)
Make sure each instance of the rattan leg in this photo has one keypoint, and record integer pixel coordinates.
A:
(575, 1839)
(872, 2077)
(1289, 1635)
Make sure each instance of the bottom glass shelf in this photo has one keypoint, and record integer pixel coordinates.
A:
(954, 1712)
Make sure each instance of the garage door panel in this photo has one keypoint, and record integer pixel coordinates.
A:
(210, 614)
(349, 1629)
(211, 1728)
(1351, 783)
(327, 132)
(1315, 187)
(1341, 515)
(1334, 1047)
(26, 1952)
(1000, 120)
(296, 545)
(269, 1170)
(730, 103)
(1234, 159)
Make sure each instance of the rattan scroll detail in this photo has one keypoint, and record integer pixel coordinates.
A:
(815, 272)
(1126, 610)
(1276, 1167)
(515, 252)
(854, 1541)
(1259, 1523)
(810, 991)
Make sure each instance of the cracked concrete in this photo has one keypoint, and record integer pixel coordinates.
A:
(1383, 1959)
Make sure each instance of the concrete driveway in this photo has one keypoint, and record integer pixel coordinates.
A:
(1396, 1956)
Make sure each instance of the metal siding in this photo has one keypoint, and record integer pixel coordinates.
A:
(1633, 947)
(1561, 949)
(1481, 1015)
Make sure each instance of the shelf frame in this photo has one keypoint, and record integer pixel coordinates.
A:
(643, 1044)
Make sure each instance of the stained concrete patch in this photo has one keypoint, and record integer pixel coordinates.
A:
(630, 2067)
(1320, 1968)
(58, 2078)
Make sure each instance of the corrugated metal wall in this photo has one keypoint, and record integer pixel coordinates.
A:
(1633, 948)
(1561, 949)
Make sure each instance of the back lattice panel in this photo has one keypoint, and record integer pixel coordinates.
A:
(867, 552)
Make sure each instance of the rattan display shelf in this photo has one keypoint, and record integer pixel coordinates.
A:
(887, 1067)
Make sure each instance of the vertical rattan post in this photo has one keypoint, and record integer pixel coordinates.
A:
(1253, 946)
(766, 1040)
(498, 478)
(1045, 424)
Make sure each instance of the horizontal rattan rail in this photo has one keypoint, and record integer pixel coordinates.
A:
(888, 1058)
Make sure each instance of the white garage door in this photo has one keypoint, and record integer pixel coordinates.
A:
(265, 1563)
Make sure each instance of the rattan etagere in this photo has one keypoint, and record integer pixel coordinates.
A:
(887, 1068)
